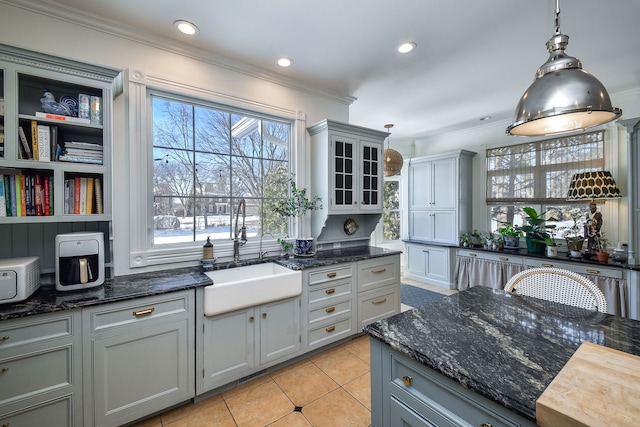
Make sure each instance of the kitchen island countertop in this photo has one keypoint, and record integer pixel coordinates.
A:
(503, 346)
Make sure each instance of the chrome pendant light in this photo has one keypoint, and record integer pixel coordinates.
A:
(392, 159)
(563, 96)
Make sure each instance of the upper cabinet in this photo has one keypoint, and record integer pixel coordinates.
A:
(440, 196)
(347, 167)
(55, 155)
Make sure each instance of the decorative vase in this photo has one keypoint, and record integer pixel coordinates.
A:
(552, 251)
(304, 247)
(511, 241)
(602, 256)
(535, 247)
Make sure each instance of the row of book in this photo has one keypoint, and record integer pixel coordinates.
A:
(26, 195)
(83, 196)
(45, 146)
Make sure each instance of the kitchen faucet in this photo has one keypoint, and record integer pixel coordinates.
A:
(242, 232)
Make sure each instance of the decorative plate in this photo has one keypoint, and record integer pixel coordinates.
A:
(70, 102)
(350, 226)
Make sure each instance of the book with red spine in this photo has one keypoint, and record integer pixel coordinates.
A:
(76, 195)
(47, 205)
(38, 192)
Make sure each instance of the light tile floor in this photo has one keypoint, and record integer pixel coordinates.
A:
(329, 389)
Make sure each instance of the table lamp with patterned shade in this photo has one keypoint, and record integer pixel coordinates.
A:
(593, 186)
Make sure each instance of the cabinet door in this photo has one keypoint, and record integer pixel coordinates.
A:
(420, 181)
(444, 183)
(421, 225)
(443, 225)
(279, 330)
(370, 163)
(139, 372)
(228, 347)
(437, 263)
(343, 177)
(416, 260)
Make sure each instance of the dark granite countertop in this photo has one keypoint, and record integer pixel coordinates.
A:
(503, 346)
(47, 299)
(562, 256)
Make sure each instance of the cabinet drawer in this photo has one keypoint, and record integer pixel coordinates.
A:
(329, 311)
(327, 293)
(443, 401)
(502, 257)
(35, 373)
(378, 304)
(35, 329)
(138, 311)
(331, 332)
(339, 271)
(378, 272)
(53, 413)
(594, 270)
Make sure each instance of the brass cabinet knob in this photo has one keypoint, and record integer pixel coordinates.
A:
(251, 319)
(486, 425)
(407, 380)
(264, 315)
(3, 339)
(3, 370)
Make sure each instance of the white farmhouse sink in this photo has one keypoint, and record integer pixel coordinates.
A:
(240, 287)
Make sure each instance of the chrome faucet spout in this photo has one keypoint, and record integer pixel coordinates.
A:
(242, 233)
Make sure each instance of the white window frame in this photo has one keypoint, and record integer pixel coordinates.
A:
(142, 253)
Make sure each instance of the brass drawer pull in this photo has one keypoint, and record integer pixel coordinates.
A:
(379, 271)
(407, 380)
(382, 301)
(3, 370)
(332, 274)
(502, 258)
(593, 271)
(547, 265)
(144, 312)
(330, 291)
(330, 329)
(425, 251)
(330, 309)
(3, 339)
(473, 255)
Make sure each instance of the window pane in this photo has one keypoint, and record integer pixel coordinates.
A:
(391, 213)
(205, 161)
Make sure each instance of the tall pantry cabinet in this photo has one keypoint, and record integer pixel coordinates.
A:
(55, 158)
(439, 211)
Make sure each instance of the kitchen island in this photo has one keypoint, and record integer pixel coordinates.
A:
(480, 356)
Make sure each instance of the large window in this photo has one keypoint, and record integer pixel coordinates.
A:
(205, 161)
(538, 174)
(391, 214)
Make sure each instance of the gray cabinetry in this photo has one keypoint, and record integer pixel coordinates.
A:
(241, 342)
(378, 289)
(328, 296)
(408, 393)
(138, 357)
(429, 263)
(347, 167)
(440, 196)
(41, 371)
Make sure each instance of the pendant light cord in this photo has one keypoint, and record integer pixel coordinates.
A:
(557, 20)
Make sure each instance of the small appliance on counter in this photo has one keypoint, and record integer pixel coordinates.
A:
(19, 278)
(79, 260)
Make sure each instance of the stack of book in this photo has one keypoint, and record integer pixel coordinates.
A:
(80, 152)
(29, 194)
(83, 196)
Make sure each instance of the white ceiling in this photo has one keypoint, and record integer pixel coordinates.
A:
(474, 58)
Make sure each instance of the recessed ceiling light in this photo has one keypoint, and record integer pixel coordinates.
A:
(285, 62)
(186, 27)
(406, 47)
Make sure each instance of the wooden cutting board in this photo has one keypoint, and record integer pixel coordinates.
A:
(598, 386)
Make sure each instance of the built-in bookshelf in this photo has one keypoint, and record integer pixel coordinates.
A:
(57, 137)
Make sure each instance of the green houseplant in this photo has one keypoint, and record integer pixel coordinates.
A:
(573, 235)
(536, 230)
(297, 204)
(511, 235)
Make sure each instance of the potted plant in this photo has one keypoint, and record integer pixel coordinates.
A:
(601, 247)
(465, 240)
(551, 246)
(573, 235)
(285, 246)
(476, 238)
(511, 235)
(536, 230)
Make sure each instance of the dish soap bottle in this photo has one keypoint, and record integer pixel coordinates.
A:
(207, 250)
